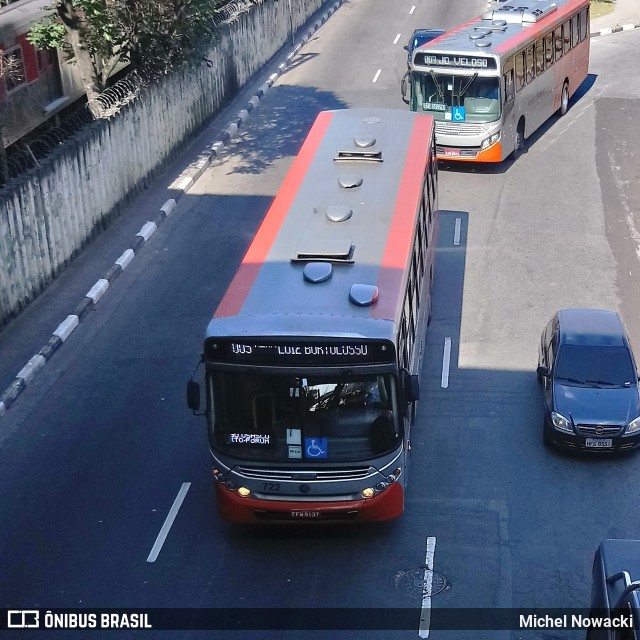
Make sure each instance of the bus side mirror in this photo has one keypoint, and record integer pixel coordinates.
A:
(410, 387)
(404, 86)
(543, 371)
(193, 396)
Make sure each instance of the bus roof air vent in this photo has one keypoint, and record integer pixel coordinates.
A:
(479, 32)
(315, 272)
(522, 12)
(338, 254)
(371, 120)
(350, 180)
(364, 141)
(499, 25)
(369, 156)
(339, 213)
(483, 43)
(363, 295)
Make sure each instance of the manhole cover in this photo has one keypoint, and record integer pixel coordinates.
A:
(423, 581)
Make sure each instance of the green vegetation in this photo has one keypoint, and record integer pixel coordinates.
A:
(601, 8)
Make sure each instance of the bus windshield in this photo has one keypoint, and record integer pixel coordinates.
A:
(475, 98)
(328, 418)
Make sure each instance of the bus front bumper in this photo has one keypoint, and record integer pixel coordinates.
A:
(470, 154)
(385, 506)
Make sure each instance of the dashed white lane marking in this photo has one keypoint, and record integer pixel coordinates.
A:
(412, 9)
(456, 232)
(446, 359)
(425, 611)
(173, 512)
(397, 38)
(375, 78)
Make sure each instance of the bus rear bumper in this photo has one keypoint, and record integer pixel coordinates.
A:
(385, 506)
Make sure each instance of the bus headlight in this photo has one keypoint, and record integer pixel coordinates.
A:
(243, 492)
(487, 142)
(367, 493)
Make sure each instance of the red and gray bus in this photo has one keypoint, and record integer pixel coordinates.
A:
(313, 355)
(493, 81)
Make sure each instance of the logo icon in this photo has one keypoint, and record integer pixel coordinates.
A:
(316, 447)
(458, 114)
(23, 619)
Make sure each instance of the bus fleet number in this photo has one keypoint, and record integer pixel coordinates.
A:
(271, 486)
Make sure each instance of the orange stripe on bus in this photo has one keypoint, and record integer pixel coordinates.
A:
(401, 231)
(257, 253)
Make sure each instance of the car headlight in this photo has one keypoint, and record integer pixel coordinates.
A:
(633, 427)
(561, 423)
(487, 142)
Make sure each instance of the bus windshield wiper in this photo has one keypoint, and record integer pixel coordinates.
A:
(438, 87)
(466, 86)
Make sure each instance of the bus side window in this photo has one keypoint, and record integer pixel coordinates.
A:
(520, 70)
(566, 27)
(508, 86)
(531, 72)
(575, 30)
(557, 35)
(539, 56)
(584, 20)
(548, 49)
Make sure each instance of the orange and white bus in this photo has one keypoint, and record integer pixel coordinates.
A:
(493, 81)
(313, 355)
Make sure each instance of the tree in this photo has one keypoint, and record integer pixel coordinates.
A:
(153, 36)
(11, 70)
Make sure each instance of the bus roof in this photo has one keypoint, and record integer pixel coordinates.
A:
(319, 210)
(502, 30)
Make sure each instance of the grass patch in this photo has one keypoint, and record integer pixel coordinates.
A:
(601, 8)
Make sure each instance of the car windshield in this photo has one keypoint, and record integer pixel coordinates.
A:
(457, 98)
(270, 417)
(597, 366)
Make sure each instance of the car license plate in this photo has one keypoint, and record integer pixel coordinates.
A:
(452, 152)
(599, 443)
(304, 515)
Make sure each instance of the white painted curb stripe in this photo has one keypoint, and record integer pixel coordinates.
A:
(3, 410)
(64, 329)
(148, 229)
(173, 512)
(425, 612)
(456, 233)
(628, 27)
(232, 129)
(183, 184)
(605, 32)
(446, 360)
(98, 290)
(126, 258)
(29, 371)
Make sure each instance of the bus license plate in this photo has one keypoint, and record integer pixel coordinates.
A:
(452, 152)
(599, 443)
(304, 515)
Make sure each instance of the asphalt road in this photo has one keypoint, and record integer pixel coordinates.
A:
(94, 453)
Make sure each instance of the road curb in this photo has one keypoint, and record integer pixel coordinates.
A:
(618, 29)
(178, 188)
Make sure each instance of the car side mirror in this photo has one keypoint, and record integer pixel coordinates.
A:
(406, 47)
(543, 371)
(193, 396)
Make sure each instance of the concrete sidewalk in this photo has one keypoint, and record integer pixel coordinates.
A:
(625, 14)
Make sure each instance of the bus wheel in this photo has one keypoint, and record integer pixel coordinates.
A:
(564, 101)
(520, 145)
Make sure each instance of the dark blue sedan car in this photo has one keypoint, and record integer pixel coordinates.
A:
(590, 382)
(418, 38)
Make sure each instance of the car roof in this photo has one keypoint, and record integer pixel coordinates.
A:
(427, 32)
(591, 327)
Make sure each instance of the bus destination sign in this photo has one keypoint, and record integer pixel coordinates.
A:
(295, 353)
(453, 61)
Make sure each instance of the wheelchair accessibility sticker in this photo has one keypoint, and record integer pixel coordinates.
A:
(316, 447)
(457, 114)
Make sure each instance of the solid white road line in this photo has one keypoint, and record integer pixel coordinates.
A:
(375, 78)
(456, 233)
(173, 512)
(397, 38)
(425, 611)
(446, 359)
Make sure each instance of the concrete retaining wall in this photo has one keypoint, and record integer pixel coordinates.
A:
(47, 216)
